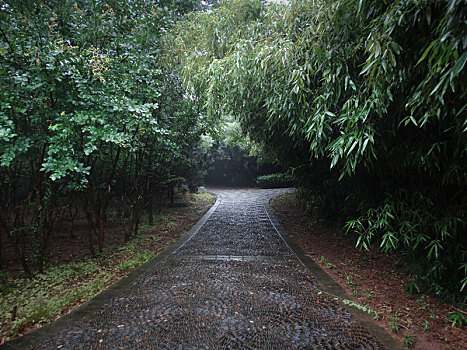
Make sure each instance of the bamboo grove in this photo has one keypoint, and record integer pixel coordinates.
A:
(365, 100)
(90, 118)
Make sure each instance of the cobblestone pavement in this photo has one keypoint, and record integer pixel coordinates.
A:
(233, 285)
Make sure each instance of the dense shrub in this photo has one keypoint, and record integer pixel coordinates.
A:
(278, 180)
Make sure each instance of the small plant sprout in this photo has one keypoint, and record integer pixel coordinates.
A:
(411, 288)
(368, 293)
(351, 285)
(408, 340)
(426, 326)
(395, 324)
(457, 318)
(322, 260)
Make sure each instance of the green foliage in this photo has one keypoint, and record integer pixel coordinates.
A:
(457, 318)
(275, 180)
(411, 288)
(395, 323)
(348, 302)
(408, 340)
(372, 119)
(351, 284)
(328, 264)
(230, 165)
(89, 111)
(132, 263)
(368, 293)
(229, 160)
(25, 301)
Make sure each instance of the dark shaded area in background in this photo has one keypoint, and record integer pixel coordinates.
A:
(233, 166)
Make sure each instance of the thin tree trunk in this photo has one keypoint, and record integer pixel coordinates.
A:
(20, 252)
(1, 246)
(16, 243)
(46, 226)
(150, 210)
(73, 218)
(91, 232)
(101, 230)
(105, 202)
(92, 228)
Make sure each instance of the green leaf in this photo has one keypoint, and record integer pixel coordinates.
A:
(459, 65)
(427, 50)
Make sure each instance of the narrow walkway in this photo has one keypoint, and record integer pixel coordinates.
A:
(234, 285)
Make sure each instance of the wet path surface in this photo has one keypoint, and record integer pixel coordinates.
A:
(234, 285)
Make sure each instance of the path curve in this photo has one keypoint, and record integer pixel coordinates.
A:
(233, 283)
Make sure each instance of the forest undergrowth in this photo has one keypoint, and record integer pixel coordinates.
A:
(381, 284)
(29, 303)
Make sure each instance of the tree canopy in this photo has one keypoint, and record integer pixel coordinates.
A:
(364, 99)
(90, 113)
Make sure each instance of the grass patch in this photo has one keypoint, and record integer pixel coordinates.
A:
(131, 264)
(27, 302)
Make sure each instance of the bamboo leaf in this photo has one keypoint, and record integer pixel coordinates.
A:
(427, 50)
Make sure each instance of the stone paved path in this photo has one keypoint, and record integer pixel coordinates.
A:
(234, 285)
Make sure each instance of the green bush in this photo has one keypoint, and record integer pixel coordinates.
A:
(278, 180)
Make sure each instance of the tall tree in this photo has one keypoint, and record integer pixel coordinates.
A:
(88, 108)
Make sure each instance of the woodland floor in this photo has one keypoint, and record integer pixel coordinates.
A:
(27, 304)
(233, 284)
(372, 279)
(369, 278)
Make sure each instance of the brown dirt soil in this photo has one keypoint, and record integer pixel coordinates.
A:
(372, 279)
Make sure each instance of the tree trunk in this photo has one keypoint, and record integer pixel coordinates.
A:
(1, 234)
(91, 232)
(105, 201)
(92, 227)
(73, 216)
(20, 252)
(18, 246)
(172, 194)
(150, 211)
(101, 232)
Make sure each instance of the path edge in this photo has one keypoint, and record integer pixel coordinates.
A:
(88, 308)
(329, 285)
